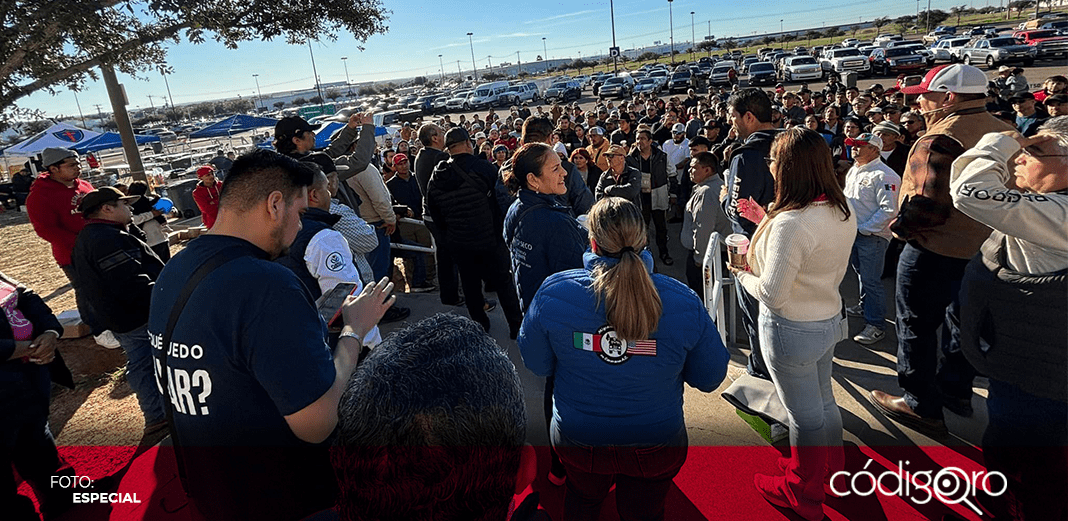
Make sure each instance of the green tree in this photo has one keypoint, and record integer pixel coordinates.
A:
(931, 18)
(729, 44)
(833, 32)
(958, 10)
(333, 94)
(299, 101)
(812, 34)
(47, 44)
(768, 40)
(317, 99)
(880, 22)
(904, 22)
(645, 56)
(279, 104)
(492, 76)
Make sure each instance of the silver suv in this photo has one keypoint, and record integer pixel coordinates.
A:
(997, 51)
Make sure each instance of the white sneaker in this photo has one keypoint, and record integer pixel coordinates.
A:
(869, 335)
(108, 340)
(855, 311)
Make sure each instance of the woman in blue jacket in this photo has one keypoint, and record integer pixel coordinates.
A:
(540, 233)
(542, 237)
(620, 342)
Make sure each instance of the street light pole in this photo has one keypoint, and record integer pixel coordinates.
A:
(612, 14)
(459, 72)
(318, 88)
(442, 65)
(168, 84)
(345, 62)
(519, 62)
(80, 115)
(258, 92)
(693, 38)
(544, 52)
(671, 32)
(782, 36)
(474, 68)
(489, 62)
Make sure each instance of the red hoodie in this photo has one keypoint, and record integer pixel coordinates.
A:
(53, 211)
(207, 199)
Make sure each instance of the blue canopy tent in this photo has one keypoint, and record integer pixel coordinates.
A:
(109, 140)
(233, 125)
(58, 135)
(322, 136)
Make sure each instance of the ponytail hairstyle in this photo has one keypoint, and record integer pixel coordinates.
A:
(632, 303)
(529, 159)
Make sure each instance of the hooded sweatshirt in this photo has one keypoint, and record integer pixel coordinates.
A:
(53, 211)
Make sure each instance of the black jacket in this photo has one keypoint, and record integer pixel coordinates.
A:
(35, 310)
(749, 176)
(464, 207)
(312, 222)
(425, 161)
(659, 165)
(628, 187)
(117, 272)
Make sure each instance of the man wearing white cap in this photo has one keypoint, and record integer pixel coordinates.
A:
(871, 188)
(678, 153)
(941, 240)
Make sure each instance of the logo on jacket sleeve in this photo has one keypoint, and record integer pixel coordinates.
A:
(610, 348)
(335, 262)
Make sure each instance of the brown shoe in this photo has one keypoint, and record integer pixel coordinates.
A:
(896, 409)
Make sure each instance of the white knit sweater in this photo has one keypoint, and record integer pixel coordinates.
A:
(798, 260)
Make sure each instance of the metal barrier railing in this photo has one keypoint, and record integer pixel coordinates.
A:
(714, 284)
(433, 248)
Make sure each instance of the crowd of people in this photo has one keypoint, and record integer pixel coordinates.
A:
(554, 211)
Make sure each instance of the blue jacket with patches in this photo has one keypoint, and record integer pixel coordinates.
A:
(543, 239)
(613, 398)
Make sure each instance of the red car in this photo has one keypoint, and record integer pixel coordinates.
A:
(1046, 41)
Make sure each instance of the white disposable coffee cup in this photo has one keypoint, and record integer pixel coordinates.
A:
(737, 247)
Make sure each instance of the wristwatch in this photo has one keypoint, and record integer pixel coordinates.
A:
(352, 335)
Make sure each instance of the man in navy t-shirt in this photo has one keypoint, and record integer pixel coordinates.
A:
(253, 386)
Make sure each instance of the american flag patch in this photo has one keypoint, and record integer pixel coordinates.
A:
(892, 188)
(593, 342)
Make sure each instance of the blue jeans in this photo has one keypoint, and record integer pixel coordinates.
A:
(867, 257)
(799, 355)
(642, 475)
(380, 258)
(749, 307)
(140, 373)
(928, 289)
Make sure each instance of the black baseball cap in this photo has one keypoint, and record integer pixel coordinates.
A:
(101, 196)
(700, 140)
(456, 135)
(290, 126)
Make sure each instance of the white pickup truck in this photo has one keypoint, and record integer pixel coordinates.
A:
(837, 61)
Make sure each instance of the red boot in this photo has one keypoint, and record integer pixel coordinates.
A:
(801, 489)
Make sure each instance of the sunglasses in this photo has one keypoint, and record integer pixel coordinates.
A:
(1034, 152)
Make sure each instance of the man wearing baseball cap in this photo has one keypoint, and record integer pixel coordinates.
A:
(871, 188)
(678, 153)
(1057, 105)
(1028, 116)
(893, 154)
(52, 207)
(294, 135)
(597, 148)
(941, 240)
(620, 179)
(206, 194)
(118, 272)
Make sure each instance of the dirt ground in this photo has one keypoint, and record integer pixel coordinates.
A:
(101, 409)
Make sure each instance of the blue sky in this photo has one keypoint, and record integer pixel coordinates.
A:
(419, 32)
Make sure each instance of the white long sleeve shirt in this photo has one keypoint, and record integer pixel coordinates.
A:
(872, 191)
(329, 260)
(361, 237)
(1032, 224)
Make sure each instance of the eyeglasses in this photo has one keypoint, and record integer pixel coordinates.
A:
(769, 160)
(1034, 152)
(910, 122)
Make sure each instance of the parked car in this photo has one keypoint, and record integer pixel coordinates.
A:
(620, 87)
(883, 39)
(517, 94)
(762, 73)
(746, 63)
(946, 50)
(681, 80)
(896, 60)
(459, 101)
(997, 51)
(661, 76)
(648, 85)
(800, 68)
(563, 91)
(721, 74)
(424, 103)
(928, 56)
(837, 61)
(937, 35)
(1047, 42)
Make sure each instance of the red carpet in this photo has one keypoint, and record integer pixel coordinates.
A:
(715, 483)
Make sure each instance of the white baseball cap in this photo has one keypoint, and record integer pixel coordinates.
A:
(958, 77)
(678, 128)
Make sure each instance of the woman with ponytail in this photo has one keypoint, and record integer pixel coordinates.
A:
(620, 342)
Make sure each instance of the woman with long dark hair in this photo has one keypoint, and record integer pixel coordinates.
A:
(583, 161)
(620, 342)
(797, 259)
